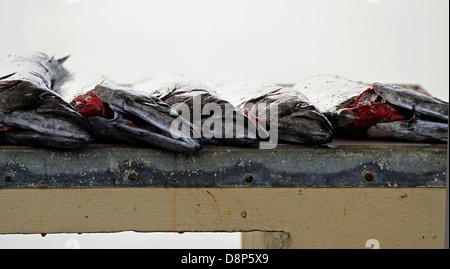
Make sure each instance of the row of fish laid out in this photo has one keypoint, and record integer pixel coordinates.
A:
(44, 105)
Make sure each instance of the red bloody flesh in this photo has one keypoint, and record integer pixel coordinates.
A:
(369, 109)
(4, 128)
(10, 83)
(90, 105)
(258, 121)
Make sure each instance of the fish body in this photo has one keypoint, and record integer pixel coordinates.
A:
(330, 93)
(79, 83)
(35, 67)
(417, 130)
(413, 101)
(357, 109)
(31, 113)
(119, 114)
(299, 121)
(180, 91)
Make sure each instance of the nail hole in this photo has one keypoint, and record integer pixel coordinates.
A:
(244, 214)
(248, 178)
(132, 176)
(9, 177)
(369, 177)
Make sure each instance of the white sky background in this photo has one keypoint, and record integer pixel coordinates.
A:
(283, 41)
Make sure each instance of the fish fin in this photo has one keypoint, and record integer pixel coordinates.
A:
(7, 76)
(63, 59)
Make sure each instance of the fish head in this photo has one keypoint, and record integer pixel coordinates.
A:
(305, 127)
(413, 101)
(299, 121)
(41, 112)
(119, 113)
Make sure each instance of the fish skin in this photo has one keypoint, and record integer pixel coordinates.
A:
(156, 113)
(299, 121)
(35, 67)
(412, 100)
(31, 138)
(423, 120)
(78, 83)
(178, 89)
(113, 131)
(36, 114)
(110, 123)
(416, 131)
(330, 93)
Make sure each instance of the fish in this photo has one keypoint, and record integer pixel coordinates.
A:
(31, 112)
(80, 82)
(298, 120)
(120, 114)
(413, 101)
(227, 125)
(378, 110)
(416, 131)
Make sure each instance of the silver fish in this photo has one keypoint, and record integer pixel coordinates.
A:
(179, 91)
(357, 109)
(414, 101)
(299, 121)
(119, 114)
(31, 113)
(417, 130)
(79, 83)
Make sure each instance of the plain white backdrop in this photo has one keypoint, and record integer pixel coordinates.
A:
(283, 41)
